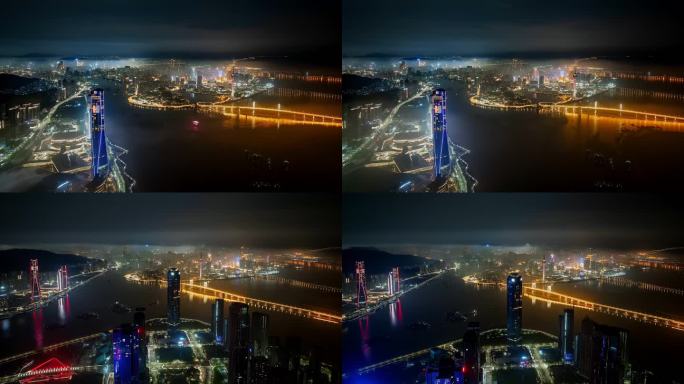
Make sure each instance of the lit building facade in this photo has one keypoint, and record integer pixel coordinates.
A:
(238, 343)
(566, 336)
(514, 288)
(217, 321)
(173, 284)
(99, 162)
(442, 163)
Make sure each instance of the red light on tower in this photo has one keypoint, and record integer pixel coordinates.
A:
(35, 279)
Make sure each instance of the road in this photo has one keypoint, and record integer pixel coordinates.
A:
(380, 128)
(38, 130)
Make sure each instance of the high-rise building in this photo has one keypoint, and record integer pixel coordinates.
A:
(442, 165)
(99, 163)
(514, 307)
(127, 351)
(141, 347)
(238, 343)
(173, 284)
(259, 332)
(390, 284)
(566, 336)
(217, 321)
(602, 353)
(471, 354)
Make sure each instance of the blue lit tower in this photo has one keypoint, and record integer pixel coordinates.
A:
(217, 321)
(238, 343)
(123, 354)
(566, 336)
(99, 161)
(514, 307)
(173, 284)
(442, 164)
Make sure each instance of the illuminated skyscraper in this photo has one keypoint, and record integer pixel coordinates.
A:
(514, 307)
(442, 164)
(566, 336)
(390, 284)
(238, 343)
(99, 163)
(173, 283)
(217, 321)
(125, 350)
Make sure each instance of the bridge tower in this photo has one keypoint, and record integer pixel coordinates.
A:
(62, 278)
(361, 292)
(35, 279)
(396, 279)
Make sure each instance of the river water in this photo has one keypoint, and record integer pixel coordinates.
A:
(59, 320)
(386, 334)
(167, 153)
(526, 151)
(530, 151)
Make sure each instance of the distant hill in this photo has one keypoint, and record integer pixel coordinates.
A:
(377, 261)
(12, 82)
(19, 260)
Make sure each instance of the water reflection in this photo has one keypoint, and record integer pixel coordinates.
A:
(364, 328)
(63, 309)
(395, 313)
(37, 316)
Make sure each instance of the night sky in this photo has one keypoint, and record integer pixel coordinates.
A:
(152, 28)
(512, 27)
(573, 220)
(255, 220)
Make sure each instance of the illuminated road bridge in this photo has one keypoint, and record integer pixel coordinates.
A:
(274, 115)
(52, 347)
(561, 299)
(51, 370)
(300, 284)
(199, 290)
(618, 113)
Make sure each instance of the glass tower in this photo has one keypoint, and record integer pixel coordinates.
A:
(238, 343)
(439, 134)
(514, 307)
(173, 280)
(99, 163)
(217, 321)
